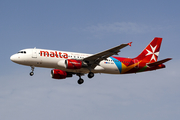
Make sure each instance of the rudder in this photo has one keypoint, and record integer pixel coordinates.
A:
(151, 52)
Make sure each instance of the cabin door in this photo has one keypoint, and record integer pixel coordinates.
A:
(34, 53)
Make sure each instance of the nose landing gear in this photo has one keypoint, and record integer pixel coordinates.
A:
(32, 73)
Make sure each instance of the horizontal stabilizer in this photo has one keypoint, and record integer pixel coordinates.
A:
(158, 62)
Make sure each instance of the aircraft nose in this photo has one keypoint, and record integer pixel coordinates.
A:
(17, 59)
(13, 58)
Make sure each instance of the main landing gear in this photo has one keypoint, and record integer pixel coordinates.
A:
(90, 75)
(81, 81)
(32, 72)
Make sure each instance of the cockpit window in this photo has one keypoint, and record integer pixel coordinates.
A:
(24, 52)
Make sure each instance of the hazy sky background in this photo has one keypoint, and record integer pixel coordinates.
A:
(89, 27)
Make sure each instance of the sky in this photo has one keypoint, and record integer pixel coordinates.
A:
(89, 27)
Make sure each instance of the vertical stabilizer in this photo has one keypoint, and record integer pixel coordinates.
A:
(151, 52)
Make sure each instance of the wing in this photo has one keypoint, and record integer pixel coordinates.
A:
(95, 59)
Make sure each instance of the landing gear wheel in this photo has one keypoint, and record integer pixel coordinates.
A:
(90, 75)
(80, 81)
(31, 74)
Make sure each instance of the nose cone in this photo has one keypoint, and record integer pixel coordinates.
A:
(13, 58)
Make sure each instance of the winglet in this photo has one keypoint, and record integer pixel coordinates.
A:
(130, 43)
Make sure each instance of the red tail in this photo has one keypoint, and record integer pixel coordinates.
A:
(151, 52)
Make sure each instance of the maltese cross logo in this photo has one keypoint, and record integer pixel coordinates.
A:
(153, 53)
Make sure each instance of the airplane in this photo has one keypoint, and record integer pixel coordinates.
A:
(66, 64)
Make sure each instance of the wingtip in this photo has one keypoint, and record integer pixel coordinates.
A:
(169, 58)
(129, 43)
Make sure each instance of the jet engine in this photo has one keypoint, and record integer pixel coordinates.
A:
(60, 74)
(73, 64)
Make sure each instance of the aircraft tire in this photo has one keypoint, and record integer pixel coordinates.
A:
(90, 75)
(31, 74)
(80, 81)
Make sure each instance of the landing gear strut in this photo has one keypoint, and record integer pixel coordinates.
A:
(80, 81)
(32, 72)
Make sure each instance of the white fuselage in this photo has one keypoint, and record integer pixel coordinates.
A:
(51, 58)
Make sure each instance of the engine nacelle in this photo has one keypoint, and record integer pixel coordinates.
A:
(59, 74)
(73, 64)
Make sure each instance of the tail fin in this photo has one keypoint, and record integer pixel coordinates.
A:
(151, 52)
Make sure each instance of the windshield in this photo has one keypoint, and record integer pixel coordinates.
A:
(24, 52)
